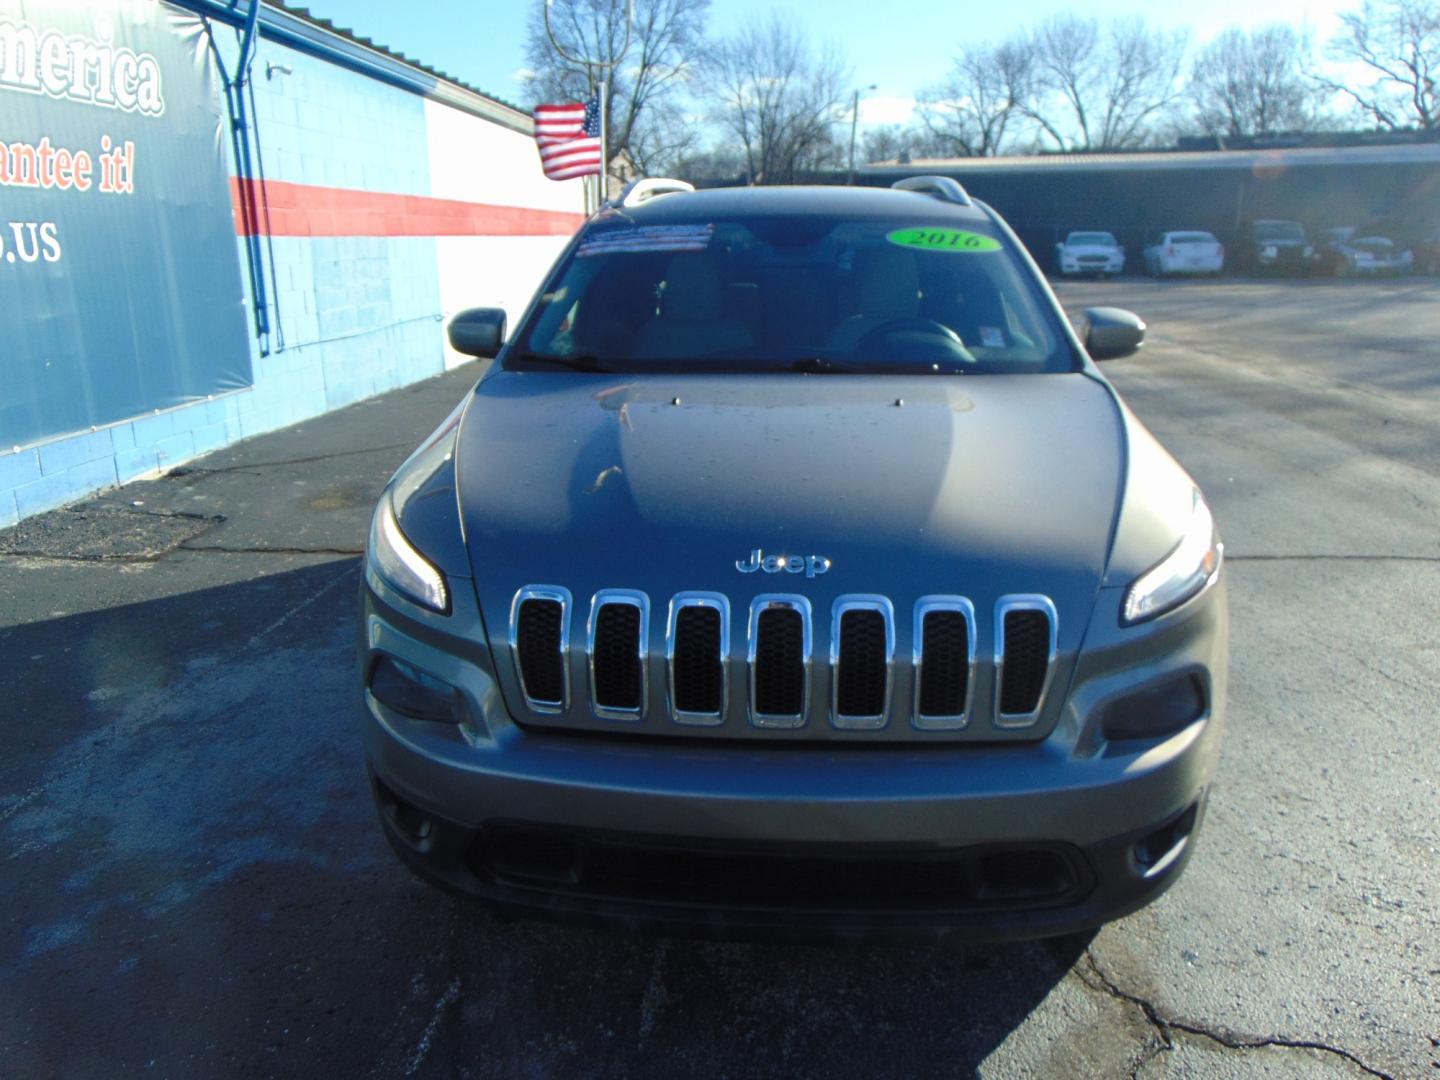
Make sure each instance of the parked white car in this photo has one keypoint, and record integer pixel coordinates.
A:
(1090, 253)
(1185, 252)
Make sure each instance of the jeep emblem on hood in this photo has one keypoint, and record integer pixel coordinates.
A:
(809, 565)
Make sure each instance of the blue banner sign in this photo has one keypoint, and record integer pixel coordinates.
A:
(120, 288)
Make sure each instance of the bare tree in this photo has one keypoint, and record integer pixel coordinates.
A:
(902, 144)
(722, 162)
(1255, 83)
(986, 91)
(1102, 87)
(645, 122)
(886, 143)
(1398, 42)
(780, 98)
(670, 134)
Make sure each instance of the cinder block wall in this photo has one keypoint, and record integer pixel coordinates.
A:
(351, 316)
(360, 286)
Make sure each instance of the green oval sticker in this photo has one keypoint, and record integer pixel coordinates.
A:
(943, 240)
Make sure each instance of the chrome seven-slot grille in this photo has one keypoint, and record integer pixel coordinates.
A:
(780, 635)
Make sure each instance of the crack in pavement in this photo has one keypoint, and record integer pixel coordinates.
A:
(201, 549)
(223, 549)
(249, 466)
(1165, 1025)
(442, 1005)
(1332, 558)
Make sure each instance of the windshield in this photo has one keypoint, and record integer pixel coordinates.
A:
(1279, 230)
(1192, 238)
(1098, 239)
(807, 294)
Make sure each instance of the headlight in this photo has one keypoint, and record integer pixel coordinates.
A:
(1191, 566)
(390, 557)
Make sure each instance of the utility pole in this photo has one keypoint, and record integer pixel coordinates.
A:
(854, 121)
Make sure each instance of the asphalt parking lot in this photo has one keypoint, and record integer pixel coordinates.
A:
(194, 884)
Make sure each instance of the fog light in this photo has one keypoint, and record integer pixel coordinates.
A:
(412, 692)
(410, 821)
(1158, 845)
(1160, 709)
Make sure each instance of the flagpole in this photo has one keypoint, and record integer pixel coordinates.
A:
(604, 64)
(604, 177)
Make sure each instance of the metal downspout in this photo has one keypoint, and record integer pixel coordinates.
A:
(240, 140)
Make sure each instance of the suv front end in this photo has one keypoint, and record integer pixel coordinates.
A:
(712, 652)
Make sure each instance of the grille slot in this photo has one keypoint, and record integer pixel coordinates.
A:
(617, 660)
(1026, 635)
(779, 660)
(617, 646)
(699, 636)
(862, 645)
(944, 661)
(539, 640)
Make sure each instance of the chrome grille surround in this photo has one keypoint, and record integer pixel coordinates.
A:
(1003, 607)
(557, 594)
(714, 602)
(843, 605)
(635, 599)
(789, 602)
(963, 607)
(810, 696)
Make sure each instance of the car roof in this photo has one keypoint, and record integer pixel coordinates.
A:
(857, 203)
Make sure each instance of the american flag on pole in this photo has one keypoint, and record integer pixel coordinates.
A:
(569, 139)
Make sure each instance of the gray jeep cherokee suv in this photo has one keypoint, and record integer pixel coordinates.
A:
(794, 570)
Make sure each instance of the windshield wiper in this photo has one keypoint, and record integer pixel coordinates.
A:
(576, 362)
(818, 365)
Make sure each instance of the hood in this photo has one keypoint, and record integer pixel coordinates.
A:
(979, 486)
(1378, 244)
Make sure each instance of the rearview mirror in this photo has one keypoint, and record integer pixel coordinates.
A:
(1113, 333)
(478, 331)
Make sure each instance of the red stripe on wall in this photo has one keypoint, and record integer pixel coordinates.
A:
(310, 210)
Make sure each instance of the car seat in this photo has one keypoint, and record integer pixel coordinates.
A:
(889, 290)
(692, 321)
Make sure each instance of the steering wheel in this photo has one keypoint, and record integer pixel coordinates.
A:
(915, 325)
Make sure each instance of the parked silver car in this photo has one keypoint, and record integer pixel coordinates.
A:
(1348, 251)
(795, 570)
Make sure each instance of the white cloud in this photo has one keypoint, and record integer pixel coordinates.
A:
(884, 109)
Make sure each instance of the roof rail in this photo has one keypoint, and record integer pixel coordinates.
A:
(942, 187)
(647, 188)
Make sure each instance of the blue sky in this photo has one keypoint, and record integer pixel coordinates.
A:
(900, 45)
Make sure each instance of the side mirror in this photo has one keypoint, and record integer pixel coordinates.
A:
(1113, 333)
(478, 331)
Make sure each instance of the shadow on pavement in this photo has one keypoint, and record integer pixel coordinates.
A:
(196, 885)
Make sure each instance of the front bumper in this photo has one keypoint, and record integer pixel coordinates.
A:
(1397, 265)
(1074, 266)
(660, 883)
(1106, 827)
(1282, 257)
